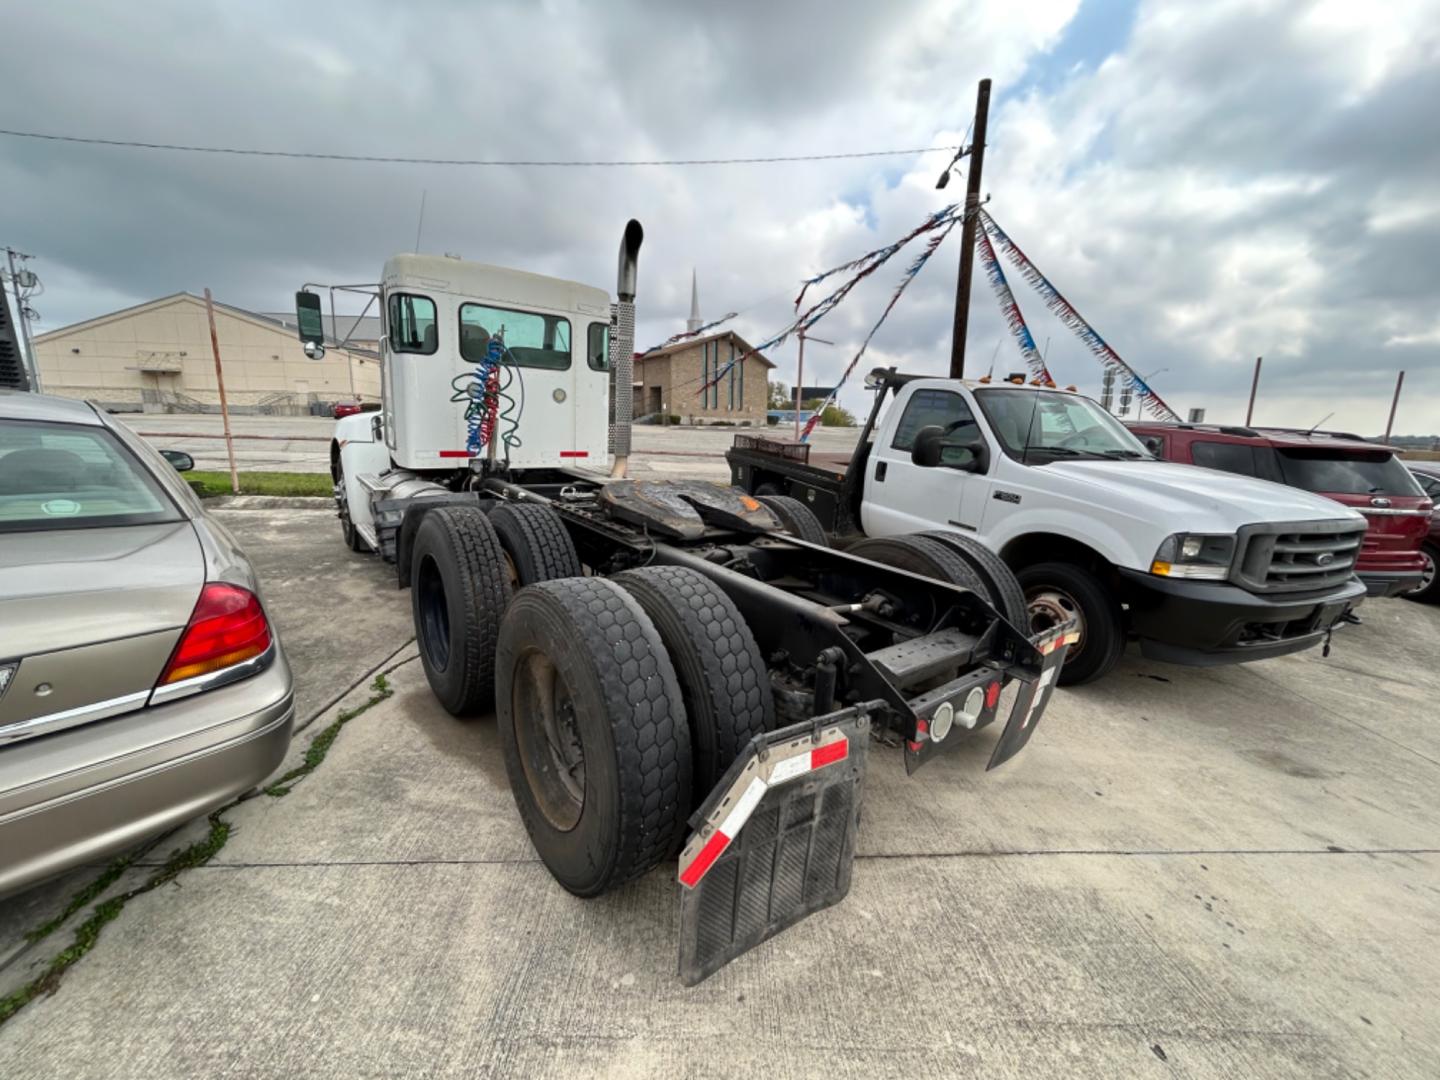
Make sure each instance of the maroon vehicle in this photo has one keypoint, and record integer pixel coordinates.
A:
(343, 409)
(1428, 475)
(1366, 476)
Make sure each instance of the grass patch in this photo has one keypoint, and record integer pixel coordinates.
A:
(180, 860)
(210, 484)
(324, 739)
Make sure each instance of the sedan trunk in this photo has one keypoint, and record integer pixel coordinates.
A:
(91, 616)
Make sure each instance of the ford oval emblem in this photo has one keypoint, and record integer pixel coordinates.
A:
(1376, 500)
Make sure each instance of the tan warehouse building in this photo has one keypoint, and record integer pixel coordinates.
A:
(156, 357)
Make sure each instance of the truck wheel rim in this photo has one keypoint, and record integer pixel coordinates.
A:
(548, 737)
(434, 614)
(1427, 576)
(346, 525)
(1048, 608)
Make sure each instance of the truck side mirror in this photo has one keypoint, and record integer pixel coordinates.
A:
(932, 449)
(310, 321)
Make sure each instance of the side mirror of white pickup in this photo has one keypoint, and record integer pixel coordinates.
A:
(932, 449)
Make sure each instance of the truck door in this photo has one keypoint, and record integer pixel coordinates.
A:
(902, 497)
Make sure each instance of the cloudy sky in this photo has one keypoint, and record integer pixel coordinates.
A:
(1206, 182)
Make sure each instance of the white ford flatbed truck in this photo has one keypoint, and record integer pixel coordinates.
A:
(1199, 566)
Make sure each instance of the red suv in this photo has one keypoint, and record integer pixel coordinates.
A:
(1363, 475)
(1427, 473)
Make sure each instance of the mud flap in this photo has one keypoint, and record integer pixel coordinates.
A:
(1037, 684)
(775, 840)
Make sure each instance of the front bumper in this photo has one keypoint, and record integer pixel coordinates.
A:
(1390, 582)
(85, 793)
(1203, 623)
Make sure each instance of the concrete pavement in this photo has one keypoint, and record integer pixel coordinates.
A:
(1230, 872)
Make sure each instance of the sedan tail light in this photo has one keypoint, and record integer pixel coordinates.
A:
(228, 627)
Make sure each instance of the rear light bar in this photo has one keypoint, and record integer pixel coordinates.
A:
(227, 637)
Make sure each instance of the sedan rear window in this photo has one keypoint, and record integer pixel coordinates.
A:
(1337, 472)
(73, 476)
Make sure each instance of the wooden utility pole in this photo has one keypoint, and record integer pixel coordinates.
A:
(1254, 385)
(1394, 402)
(967, 233)
(220, 382)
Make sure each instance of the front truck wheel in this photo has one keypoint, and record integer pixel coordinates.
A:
(458, 591)
(723, 680)
(1055, 592)
(593, 730)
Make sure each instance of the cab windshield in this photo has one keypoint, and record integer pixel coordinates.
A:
(1043, 425)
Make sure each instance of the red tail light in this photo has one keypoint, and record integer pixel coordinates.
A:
(227, 627)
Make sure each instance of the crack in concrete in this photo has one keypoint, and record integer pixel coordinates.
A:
(874, 856)
(87, 934)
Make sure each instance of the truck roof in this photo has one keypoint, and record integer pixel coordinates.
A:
(894, 378)
(483, 281)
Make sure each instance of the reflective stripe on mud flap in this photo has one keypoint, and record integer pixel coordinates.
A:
(1036, 686)
(776, 840)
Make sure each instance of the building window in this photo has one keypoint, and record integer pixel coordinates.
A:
(597, 349)
(412, 326)
(531, 340)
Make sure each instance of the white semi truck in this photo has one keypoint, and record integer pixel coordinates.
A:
(675, 667)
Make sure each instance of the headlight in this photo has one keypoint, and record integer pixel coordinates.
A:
(1190, 555)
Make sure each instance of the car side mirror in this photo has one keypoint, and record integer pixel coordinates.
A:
(310, 322)
(932, 449)
(182, 461)
(377, 428)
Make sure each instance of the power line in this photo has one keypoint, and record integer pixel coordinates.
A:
(250, 152)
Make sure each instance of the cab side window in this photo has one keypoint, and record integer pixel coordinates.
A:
(1227, 457)
(411, 324)
(927, 407)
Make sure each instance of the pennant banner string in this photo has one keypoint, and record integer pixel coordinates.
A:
(1149, 399)
(1011, 312)
(910, 273)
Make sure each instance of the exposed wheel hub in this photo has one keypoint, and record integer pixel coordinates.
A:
(548, 736)
(1048, 607)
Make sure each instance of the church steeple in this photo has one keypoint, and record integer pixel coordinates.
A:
(694, 322)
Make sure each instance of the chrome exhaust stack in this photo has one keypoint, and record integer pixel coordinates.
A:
(622, 347)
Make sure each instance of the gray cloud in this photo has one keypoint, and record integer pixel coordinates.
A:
(1234, 180)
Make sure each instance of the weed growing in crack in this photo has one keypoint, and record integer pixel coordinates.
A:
(196, 854)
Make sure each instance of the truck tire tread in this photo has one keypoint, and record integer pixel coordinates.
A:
(796, 518)
(468, 556)
(921, 555)
(1001, 584)
(723, 678)
(537, 542)
(633, 727)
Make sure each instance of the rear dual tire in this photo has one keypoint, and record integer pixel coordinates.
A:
(795, 517)
(594, 732)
